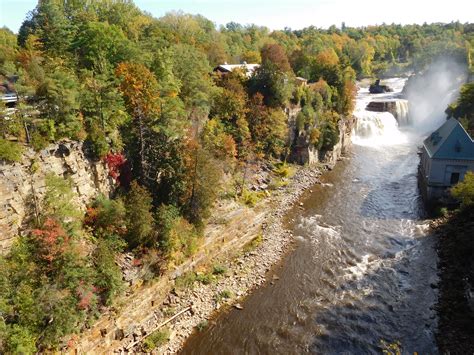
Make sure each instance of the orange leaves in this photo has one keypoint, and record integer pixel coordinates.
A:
(139, 87)
(327, 57)
(276, 55)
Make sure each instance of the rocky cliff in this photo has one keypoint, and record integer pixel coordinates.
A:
(305, 153)
(22, 184)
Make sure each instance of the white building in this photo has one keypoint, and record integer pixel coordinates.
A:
(247, 69)
(447, 154)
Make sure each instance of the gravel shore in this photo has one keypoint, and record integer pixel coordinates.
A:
(244, 273)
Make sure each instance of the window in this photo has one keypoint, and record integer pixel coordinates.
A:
(454, 178)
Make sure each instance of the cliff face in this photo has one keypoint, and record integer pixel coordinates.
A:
(305, 153)
(23, 183)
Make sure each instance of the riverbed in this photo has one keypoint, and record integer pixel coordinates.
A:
(362, 274)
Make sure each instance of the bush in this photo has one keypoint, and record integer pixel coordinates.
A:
(224, 295)
(205, 278)
(219, 270)
(107, 218)
(251, 198)
(177, 237)
(10, 151)
(464, 190)
(156, 339)
(202, 325)
(284, 170)
(253, 244)
(186, 280)
(38, 142)
(19, 340)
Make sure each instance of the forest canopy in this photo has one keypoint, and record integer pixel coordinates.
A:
(143, 96)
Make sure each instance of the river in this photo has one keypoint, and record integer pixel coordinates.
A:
(362, 270)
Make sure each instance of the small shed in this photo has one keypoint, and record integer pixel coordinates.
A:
(447, 154)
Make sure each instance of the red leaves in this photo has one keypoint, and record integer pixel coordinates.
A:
(91, 216)
(52, 240)
(114, 163)
(86, 296)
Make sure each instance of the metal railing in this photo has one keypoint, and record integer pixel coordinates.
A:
(13, 97)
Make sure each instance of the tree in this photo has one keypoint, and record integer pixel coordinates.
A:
(268, 127)
(138, 216)
(274, 54)
(49, 22)
(104, 112)
(59, 100)
(230, 107)
(101, 46)
(141, 92)
(464, 190)
(463, 108)
(203, 179)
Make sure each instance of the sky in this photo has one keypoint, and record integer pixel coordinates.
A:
(296, 14)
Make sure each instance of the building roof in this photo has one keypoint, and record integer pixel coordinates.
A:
(248, 68)
(450, 141)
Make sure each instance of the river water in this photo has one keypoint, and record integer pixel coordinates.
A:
(362, 271)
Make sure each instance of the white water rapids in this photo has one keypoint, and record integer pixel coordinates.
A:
(380, 128)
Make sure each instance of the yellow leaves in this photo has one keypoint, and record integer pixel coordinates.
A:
(139, 87)
(327, 57)
(314, 136)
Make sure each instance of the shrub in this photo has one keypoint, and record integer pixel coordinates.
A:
(251, 198)
(19, 340)
(186, 280)
(156, 339)
(284, 170)
(202, 325)
(219, 270)
(107, 218)
(224, 295)
(10, 151)
(464, 190)
(38, 141)
(177, 237)
(205, 278)
(253, 244)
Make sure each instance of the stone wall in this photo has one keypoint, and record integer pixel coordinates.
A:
(24, 182)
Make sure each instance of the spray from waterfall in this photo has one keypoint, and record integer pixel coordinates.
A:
(431, 92)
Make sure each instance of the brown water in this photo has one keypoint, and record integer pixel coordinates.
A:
(360, 273)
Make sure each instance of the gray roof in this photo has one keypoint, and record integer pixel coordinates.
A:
(450, 141)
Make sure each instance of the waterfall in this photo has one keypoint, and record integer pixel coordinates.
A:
(380, 128)
(401, 111)
(376, 128)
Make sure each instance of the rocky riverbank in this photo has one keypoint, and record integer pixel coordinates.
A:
(244, 273)
(456, 287)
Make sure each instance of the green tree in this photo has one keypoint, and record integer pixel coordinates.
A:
(59, 100)
(138, 217)
(464, 190)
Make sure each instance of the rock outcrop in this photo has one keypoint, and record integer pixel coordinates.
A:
(303, 152)
(376, 88)
(22, 185)
(397, 107)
